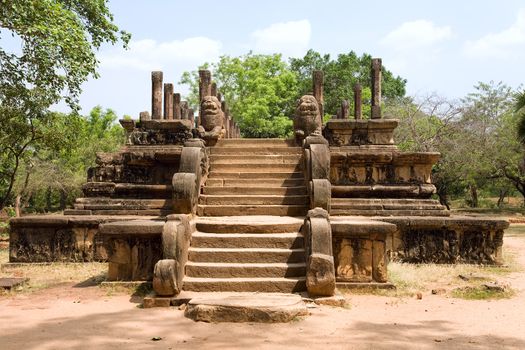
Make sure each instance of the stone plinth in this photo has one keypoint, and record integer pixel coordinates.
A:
(454, 239)
(355, 132)
(359, 247)
(56, 238)
(133, 248)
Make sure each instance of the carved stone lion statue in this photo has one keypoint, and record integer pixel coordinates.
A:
(307, 120)
(212, 120)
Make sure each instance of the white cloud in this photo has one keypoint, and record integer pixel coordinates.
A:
(289, 38)
(510, 41)
(416, 34)
(148, 54)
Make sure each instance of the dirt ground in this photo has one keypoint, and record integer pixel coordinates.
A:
(85, 316)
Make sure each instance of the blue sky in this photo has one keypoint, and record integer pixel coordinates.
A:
(438, 46)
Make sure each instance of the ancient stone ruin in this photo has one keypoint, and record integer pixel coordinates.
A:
(188, 204)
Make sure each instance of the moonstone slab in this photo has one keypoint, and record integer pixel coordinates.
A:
(247, 307)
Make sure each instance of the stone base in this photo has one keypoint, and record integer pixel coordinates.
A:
(364, 285)
(247, 307)
(446, 240)
(57, 238)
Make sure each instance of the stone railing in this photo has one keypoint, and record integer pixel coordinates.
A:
(169, 271)
(193, 170)
(320, 270)
(317, 171)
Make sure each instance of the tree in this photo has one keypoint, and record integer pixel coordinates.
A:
(341, 75)
(260, 90)
(57, 40)
(519, 108)
(56, 171)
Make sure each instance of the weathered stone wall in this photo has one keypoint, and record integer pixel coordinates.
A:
(447, 240)
(359, 247)
(56, 239)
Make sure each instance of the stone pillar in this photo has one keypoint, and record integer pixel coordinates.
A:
(358, 107)
(345, 106)
(168, 101)
(219, 96)
(191, 116)
(318, 81)
(224, 108)
(176, 106)
(184, 110)
(156, 95)
(376, 88)
(144, 116)
(213, 89)
(204, 88)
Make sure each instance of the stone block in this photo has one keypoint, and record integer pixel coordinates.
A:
(320, 275)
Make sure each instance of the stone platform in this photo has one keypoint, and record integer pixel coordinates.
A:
(59, 238)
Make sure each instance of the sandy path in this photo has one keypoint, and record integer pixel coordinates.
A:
(85, 318)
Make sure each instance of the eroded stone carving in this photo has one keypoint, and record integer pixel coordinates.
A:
(307, 120)
(320, 270)
(212, 120)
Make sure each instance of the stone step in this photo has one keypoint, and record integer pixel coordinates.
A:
(255, 167)
(128, 212)
(386, 204)
(262, 284)
(93, 203)
(236, 270)
(254, 158)
(127, 190)
(235, 210)
(246, 255)
(253, 190)
(373, 212)
(252, 142)
(259, 150)
(263, 174)
(291, 240)
(264, 183)
(249, 224)
(258, 199)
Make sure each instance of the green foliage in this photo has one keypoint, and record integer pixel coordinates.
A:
(52, 177)
(340, 76)
(55, 44)
(477, 137)
(260, 91)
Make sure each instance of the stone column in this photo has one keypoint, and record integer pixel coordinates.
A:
(144, 116)
(213, 89)
(176, 106)
(318, 81)
(204, 88)
(184, 110)
(376, 88)
(358, 107)
(191, 115)
(226, 119)
(156, 95)
(345, 106)
(168, 101)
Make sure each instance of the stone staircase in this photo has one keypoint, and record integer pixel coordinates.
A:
(246, 254)
(247, 239)
(254, 177)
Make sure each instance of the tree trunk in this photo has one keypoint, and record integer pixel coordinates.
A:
(17, 206)
(63, 198)
(473, 196)
(48, 200)
(502, 194)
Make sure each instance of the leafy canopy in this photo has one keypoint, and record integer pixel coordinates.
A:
(260, 91)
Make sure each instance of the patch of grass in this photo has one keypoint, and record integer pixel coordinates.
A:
(4, 255)
(42, 276)
(481, 293)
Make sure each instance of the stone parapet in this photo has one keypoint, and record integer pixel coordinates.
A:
(355, 132)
